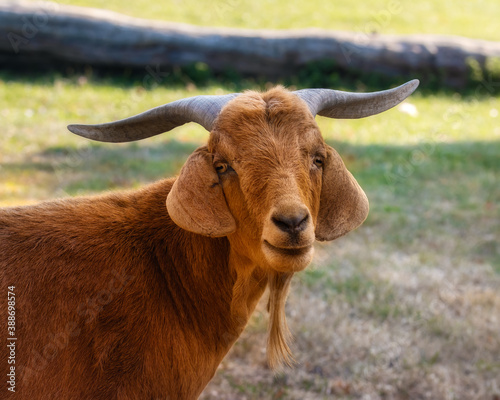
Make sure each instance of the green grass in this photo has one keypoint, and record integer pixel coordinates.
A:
(452, 17)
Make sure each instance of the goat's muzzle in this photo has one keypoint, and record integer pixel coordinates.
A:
(288, 237)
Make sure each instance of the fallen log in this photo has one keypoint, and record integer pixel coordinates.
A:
(47, 32)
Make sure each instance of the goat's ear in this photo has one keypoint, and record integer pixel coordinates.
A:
(196, 201)
(343, 204)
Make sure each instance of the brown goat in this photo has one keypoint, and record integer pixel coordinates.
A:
(116, 298)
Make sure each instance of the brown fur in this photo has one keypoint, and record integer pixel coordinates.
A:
(116, 301)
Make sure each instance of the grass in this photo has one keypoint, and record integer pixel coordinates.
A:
(458, 17)
(405, 307)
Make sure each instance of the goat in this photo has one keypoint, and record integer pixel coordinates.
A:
(140, 294)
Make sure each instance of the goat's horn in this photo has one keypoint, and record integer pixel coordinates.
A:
(337, 104)
(200, 109)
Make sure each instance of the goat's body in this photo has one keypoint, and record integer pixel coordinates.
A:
(113, 300)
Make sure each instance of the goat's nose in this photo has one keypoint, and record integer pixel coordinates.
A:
(291, 222)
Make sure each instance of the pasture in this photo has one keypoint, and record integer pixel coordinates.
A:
(405, 307)
(459, 17)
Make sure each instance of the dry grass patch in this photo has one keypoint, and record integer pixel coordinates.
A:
(379, 326)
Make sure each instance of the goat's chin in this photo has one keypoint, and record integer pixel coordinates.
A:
(287, 259)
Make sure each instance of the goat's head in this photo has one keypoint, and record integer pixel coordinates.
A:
(266, 179)
(271, 162)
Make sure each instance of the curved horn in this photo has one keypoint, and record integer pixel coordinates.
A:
(200, 109)
(337, 104)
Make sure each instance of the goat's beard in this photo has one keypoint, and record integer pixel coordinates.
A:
(279, 336)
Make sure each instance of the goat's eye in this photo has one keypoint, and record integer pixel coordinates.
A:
(318, 162)
(221, 168)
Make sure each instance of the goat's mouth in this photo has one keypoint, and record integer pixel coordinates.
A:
(287, 259)
(289, 251)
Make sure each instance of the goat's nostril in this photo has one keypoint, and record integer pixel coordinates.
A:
(291, 223)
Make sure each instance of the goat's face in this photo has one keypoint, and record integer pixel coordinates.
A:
(269, 182)
(269, 153)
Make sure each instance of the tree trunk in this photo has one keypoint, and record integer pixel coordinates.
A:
(51, 33)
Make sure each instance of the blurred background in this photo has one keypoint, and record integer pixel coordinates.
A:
(405, 307)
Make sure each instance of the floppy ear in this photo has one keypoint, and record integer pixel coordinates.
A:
(343, 204)
(196, 201)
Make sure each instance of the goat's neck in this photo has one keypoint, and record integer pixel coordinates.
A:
(234, 282)
(250, 283)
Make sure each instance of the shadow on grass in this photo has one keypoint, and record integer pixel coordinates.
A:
(431, 192)
(100, 167)
(318, 74)
(404, 170)
(399, 168)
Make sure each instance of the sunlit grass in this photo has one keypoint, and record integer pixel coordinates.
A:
(472, 19)
(35, 114)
